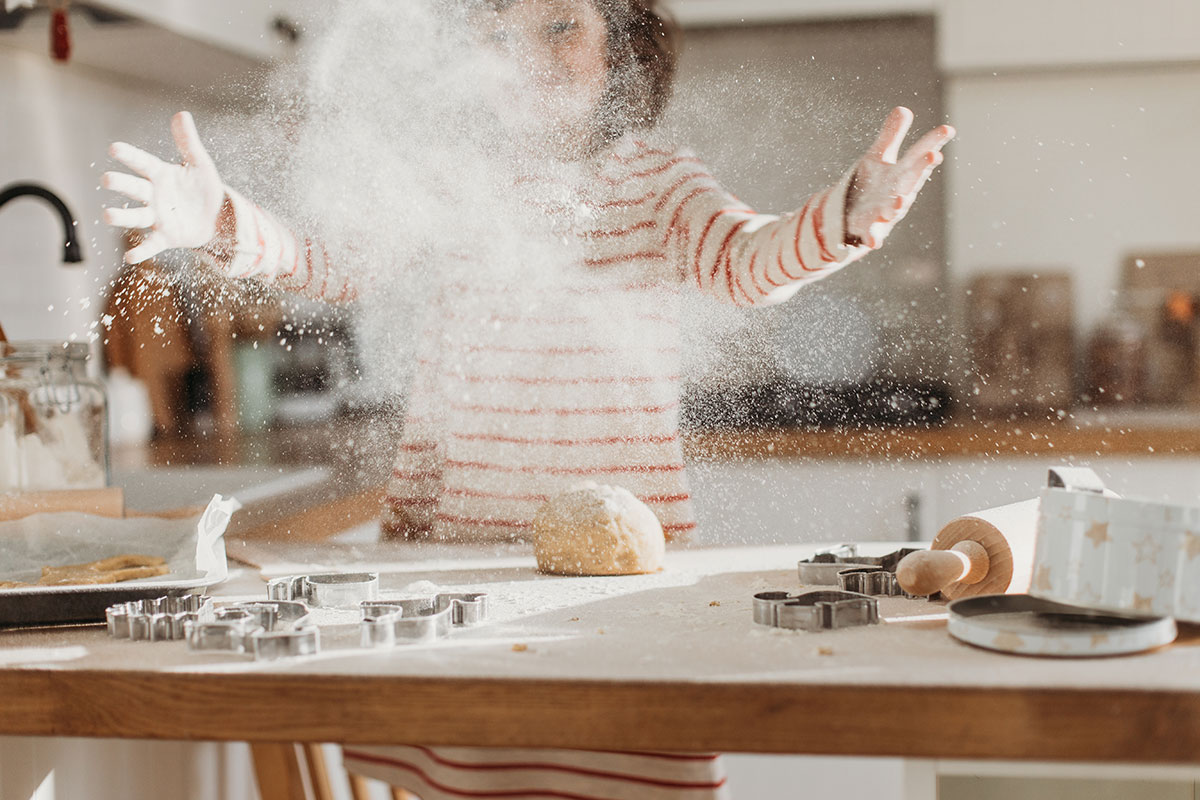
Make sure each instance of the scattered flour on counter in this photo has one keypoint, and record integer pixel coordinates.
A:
(421, 588)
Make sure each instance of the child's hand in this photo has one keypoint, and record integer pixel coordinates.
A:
(884, 187)
(182, 201)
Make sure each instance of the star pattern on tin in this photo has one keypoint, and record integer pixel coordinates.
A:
(1141, 603)
(1041, 579)
(1191, 543)
(1009, 641)
(1147, 549)
(1098, 533)
(1166, 579)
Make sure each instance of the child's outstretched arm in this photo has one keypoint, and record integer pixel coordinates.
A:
(739, 256)
(188, 205)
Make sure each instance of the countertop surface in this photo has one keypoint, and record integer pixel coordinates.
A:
(679, 646)
(690, 622)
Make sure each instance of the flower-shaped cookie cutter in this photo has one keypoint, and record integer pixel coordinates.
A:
(157, 619)
(823, 568)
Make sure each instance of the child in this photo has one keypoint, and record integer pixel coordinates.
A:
(532, 389)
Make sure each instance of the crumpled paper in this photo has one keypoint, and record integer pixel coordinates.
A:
(193, 547)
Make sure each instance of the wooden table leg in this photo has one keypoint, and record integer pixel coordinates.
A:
(277, 767)
(360, 787)
(318, 772)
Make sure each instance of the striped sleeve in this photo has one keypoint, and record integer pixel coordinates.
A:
(736, 255)
(267, 250)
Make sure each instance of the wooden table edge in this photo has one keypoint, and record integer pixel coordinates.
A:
(1045, 724)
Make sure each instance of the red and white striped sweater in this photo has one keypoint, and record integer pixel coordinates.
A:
(523, 390)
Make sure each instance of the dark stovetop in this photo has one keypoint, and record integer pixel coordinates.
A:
(786, 404)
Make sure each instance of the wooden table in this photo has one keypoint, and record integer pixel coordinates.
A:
(669, 661)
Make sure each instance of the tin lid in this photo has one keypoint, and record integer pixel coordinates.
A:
(1026, 625)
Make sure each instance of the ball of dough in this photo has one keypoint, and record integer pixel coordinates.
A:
(597, 530)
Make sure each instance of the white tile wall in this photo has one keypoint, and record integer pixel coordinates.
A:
(56, 122)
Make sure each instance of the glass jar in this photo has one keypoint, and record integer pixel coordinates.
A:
(53, 419)
(1117, 358)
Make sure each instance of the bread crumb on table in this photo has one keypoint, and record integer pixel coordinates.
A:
(520, 648)
(825, 650)
(714, 603)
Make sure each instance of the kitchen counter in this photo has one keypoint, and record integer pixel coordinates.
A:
(1082, 434)
(670, 661)
(1165, 432)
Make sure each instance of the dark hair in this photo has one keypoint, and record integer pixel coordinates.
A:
(643, 49)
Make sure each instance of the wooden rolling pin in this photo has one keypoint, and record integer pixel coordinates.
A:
(108, 502)
(988, 552)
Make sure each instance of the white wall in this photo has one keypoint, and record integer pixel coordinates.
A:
(56, 122)
(1077, 126)
(1074, 169)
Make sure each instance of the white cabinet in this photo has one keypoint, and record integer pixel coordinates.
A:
(800, 500)
(246, 27)
(979, 37)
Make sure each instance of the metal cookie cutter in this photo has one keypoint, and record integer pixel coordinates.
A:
(815, 611)
(272, 615)
(874, 581)
(823, 568)
(286, 644)
(157, 619)
(265, 628)
(392, 622)
(327, 589)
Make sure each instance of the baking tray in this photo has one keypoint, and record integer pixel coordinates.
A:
(194, 548)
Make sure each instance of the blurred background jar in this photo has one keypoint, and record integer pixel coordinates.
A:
(1117, 358)
(53, 418)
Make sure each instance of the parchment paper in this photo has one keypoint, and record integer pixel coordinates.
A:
(193, 548)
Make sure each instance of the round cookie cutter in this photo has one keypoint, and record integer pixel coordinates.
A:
(1025, 625)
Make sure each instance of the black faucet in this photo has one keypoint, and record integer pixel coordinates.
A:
(71, 252)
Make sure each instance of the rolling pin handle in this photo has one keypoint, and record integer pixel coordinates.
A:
(929, 571)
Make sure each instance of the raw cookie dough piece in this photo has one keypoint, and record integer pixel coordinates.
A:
(597, 530)
(107, 570)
